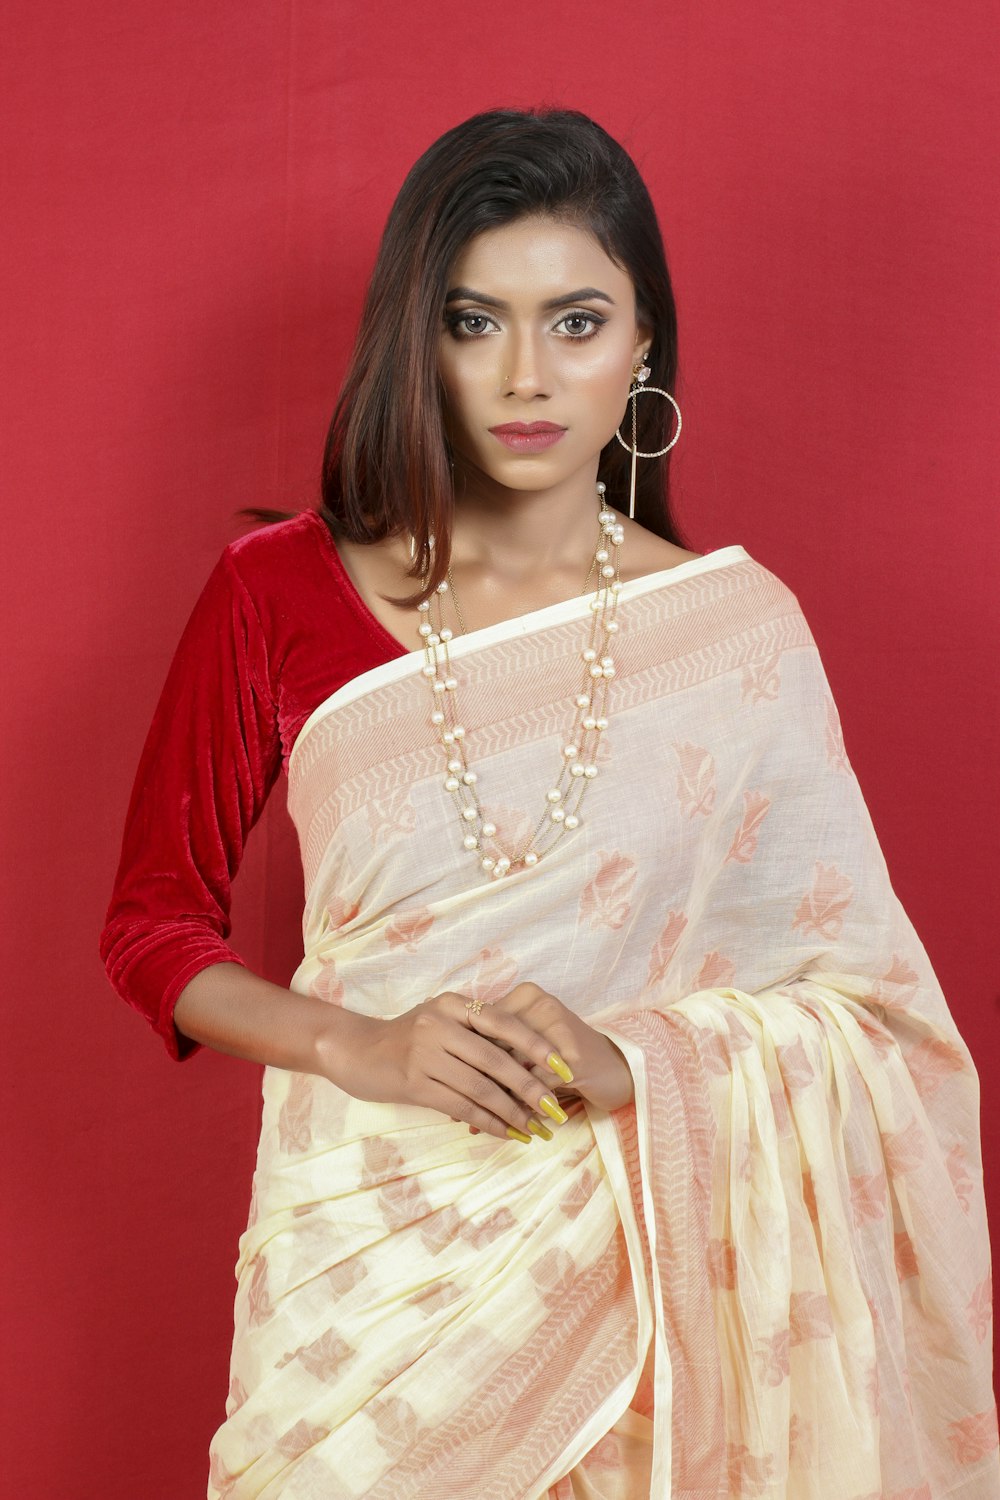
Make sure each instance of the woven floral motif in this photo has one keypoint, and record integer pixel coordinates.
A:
(605, 899)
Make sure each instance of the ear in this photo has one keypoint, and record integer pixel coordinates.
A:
(643, 341)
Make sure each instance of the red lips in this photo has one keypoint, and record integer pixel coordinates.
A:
(528, 437)
(526, 429)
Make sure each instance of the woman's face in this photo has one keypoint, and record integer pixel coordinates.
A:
(539, 331)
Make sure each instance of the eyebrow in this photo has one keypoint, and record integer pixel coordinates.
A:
(583, 294)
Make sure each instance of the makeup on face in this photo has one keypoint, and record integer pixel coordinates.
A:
(539, 338)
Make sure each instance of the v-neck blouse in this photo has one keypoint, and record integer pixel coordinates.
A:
(277, 631)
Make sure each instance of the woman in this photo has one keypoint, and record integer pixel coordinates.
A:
(617, 1140)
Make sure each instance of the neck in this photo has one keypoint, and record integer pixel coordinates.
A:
(517, 533)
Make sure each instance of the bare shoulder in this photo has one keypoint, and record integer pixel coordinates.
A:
(644, 553)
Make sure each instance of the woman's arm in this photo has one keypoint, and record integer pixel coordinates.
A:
(210, 759)
(229, 1008)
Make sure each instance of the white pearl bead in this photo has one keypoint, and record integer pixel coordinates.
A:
(612, 627)
(439, 686)
(570, 751)
(470, 814)
(607, 671)
(452, 784)
(606, 517)
(489, 829)
(446, 634)
(470, 841)
(531, 858)
(450, 684)
(590, 772)
(498, 871)
(437, 717)
(601, 487)
(601, 724)
(448, 737)
(503, 863)
(426, 628)
(426, 605)
(458, 732)
(555, 795)
(455, 764)
(429, 671)
(442, 587)
(617, 586)
(572, 821)
(596, 671)
(601, 555)
(608, 571)
(433, 640)
(576, 770)
(583, 701)
(487, 863)
(589, 655)
(557, 814)
(607, 661)
(470, 778)
(589, 722)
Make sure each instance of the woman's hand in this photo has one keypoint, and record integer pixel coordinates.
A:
(441, 1056)
(600, 1073)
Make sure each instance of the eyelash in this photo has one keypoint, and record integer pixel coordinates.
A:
(454, 321)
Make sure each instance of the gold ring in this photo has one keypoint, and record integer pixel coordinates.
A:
(474, 1006)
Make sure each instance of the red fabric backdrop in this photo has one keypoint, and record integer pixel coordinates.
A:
(192, 197)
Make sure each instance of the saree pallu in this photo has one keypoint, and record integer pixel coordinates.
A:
(769, 1276)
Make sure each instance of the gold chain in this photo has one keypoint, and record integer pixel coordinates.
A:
(454, 596)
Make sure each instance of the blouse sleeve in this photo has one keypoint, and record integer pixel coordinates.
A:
(210, 759)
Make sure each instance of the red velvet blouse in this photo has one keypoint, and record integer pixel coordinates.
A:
(278, 627)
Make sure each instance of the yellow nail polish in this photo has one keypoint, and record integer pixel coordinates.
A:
(537, 1128)
(552, 1109)
(555, 1064)
(518, 1135)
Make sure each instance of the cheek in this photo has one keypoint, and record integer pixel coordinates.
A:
(603, 379)
(463, 383)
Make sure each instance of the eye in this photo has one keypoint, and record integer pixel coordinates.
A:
(467, 325)
(581, 325)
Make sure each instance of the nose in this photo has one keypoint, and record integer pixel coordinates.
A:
(526, 372)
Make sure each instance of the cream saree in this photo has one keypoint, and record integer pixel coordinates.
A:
(770, 1276)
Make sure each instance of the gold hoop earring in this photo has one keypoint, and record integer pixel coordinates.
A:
(639, 388)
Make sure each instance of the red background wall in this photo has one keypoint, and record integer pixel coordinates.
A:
(192, 196)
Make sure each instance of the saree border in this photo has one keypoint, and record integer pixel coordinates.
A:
(399, 667)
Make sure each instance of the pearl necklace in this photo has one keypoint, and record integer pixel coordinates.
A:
(579, 756)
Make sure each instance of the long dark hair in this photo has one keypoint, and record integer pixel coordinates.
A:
(386, 463)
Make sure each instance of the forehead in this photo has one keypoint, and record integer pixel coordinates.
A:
(536, 258)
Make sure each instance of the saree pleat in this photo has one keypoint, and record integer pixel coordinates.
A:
(770, 1274)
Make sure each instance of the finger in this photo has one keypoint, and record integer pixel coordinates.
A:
(498, 1067)
(512, 1033)
(552, 1081)
(475, 1081)
(459, 1107)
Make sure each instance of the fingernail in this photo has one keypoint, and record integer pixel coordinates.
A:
(518, 1135)
(537, 1128)
(556, 1065)
(552, 1109)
